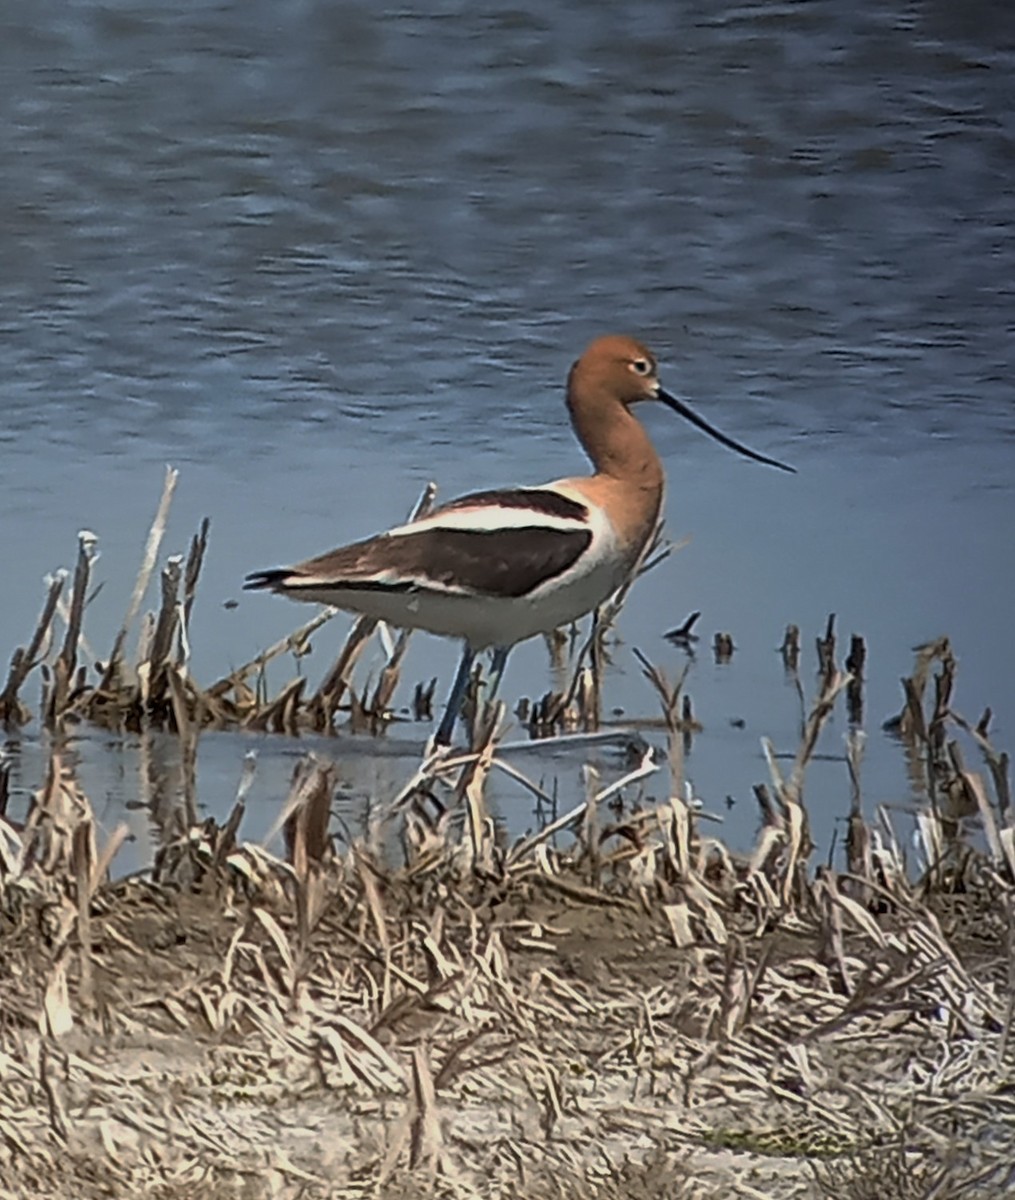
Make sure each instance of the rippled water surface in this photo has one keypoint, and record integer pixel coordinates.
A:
(315, 255)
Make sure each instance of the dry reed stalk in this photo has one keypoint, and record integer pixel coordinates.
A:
(187, 734)
(790, 649)
(64, 668)
(589, 829)
(426, 1143)
(678, 730)
(736, 993)
(192, 571)
(111, 677)
(153, 670)
(325, 702)
(910, 722)
(485, 717)
(557, 709)
(307, 847)
(856, 661)
(24, 661)
(722, 648)
(524, 846)
(1001, 847)
(387, 682)
(281, 714)
(789, 792)
(312, 786)
(859, 861)
(57, 1109)
(368, 877)
(998, 763)
(826, 654)
(5, 786)
(470, 791)
(73, 615)
(56, 810)
(422, 700)
(512, 772)
(292, 643)
(557, 643)
(82, 862)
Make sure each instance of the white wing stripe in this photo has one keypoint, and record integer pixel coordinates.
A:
(489, 519)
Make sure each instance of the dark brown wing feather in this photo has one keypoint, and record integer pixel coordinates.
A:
(499, 562)
(544, 501)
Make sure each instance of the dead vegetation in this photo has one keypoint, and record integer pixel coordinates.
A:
(156, 689)
(613, 1006)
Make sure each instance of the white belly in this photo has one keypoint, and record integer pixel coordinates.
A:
(485, 621)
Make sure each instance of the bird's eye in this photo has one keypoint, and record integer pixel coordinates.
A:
(642, 366)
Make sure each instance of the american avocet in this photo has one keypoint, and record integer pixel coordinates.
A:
(496, 567)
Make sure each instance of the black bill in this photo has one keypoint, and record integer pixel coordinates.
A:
(679, 406)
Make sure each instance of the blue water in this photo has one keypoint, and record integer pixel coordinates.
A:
(317, 255)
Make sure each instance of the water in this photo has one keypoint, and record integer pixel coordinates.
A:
(317, 255)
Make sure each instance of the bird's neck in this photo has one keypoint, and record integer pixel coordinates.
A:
(616, 442)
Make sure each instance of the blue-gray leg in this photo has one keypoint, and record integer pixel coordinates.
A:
(446, 728)
(500, 654)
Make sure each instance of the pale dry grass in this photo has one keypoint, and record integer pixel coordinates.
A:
(492, 1020)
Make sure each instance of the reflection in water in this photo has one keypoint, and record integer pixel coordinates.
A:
(168, 785)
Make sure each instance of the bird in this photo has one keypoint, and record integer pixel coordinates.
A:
(496, 567)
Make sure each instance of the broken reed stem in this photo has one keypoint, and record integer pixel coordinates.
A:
(471, 789)
(998, 762)
(790, 649)
(187, 733)
(192, 572)
(387, 682)
(325, 701)
(590, 825)
(564, 701)
(161, 651)
(677, 729)
(856, 661)
(911, 722)
(789, 792)
(426, 1142)
(151, 552)
(66, 661)
(24, 661)
(826, 653)
(525, 845)
(858, 838)
(83, 858)
(256, 665)
(816, 720)
(67, 658)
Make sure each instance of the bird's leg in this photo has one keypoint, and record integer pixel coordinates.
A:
(497, 665)
(446, 729)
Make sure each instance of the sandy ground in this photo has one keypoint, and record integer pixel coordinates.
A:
(420, 1033)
